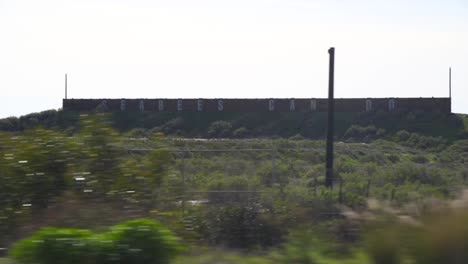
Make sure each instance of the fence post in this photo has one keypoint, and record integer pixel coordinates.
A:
(315, 186)
(368, 188)
(273, 166)
(183, 182)
(340, 194)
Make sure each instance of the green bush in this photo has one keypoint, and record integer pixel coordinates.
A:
(403, 135)
(132, 242)
(425, 142)
(242, 227)
(230, 185)
(393, 158)
(241, 132)
(54, 246)
(421, 159)
(358, 133)
(140, 241)
(220, 129)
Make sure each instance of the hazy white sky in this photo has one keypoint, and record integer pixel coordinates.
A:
(238, 48)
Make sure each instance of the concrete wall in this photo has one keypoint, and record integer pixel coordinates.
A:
(259, 105)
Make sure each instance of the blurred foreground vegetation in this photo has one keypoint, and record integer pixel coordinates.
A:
(242, 199)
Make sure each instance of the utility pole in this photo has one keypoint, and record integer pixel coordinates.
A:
(66, 86)
(330, 129)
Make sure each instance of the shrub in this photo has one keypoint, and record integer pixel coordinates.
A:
(54, 246)
(173, 125)
(425, 142)
(243, 227)
(403, 135)
(297, 137)
(362, 133)
(9, 124)
(241, 132)
(132, 242)
(139, 241)
(393, 158)
(138, 133)
(300, 248)
(219, 129)
(420, 159)
(230, 185)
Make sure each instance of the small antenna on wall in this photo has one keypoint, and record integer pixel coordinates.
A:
(66, 84)
(450, 82)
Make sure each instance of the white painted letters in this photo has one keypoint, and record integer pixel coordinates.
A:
(368, 105)
(104, 105)
(220, 105)
(313, 105)
(391, 105)
(179, 105)
(123, 105)
(292, 105)
(271, 105)
(200, 105)
(161, 105)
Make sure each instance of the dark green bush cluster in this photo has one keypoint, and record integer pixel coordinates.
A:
(242, 227)
(360, 133)
(132, 242)
(220, 129)
(419, 141)
(54, 246)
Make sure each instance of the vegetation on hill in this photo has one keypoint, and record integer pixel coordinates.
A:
(349, 126)
(256, 195)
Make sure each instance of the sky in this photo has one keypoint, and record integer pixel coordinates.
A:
(229, 49)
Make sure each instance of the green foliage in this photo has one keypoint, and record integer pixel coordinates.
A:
(358, 133)
(242, 227)
(241, 132)
(457, 152)
(54, 246)
(403, 135)
(138, 175)
(352, 126)
(138, 133)
(100, 139)
(220, 129)
(425, 142)
(301, 248)
(421, 159)
(393, 158)
(137, 241)
(132, 242)
(9, 124)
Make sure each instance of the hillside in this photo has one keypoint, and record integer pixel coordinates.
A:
(256, 193)
(356, 126)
